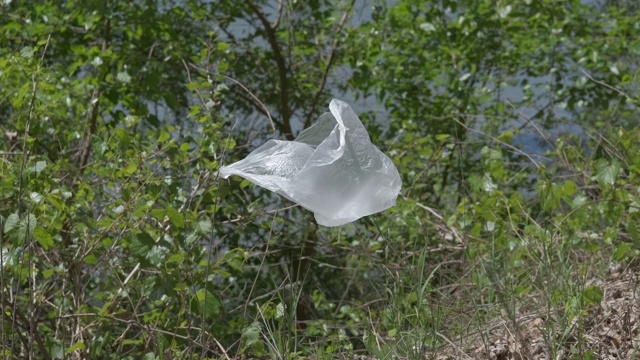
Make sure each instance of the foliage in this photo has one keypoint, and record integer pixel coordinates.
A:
(119, 241)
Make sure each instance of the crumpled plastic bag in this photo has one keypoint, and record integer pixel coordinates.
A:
(331, 168)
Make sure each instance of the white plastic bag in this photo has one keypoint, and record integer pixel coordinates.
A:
(331, 168)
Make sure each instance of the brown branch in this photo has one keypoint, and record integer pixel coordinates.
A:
(259, 105)
(602, 83)
(29, 324)
(325, 73)
(186, 67)
(95, 102)
(276, 22)
(511, 147)
(266, 111)
(247, 99)
(83, 156)
(281, 63)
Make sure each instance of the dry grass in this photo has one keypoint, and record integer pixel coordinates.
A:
(605, 331)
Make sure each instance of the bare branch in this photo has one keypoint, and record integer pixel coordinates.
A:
(511, 147)
(266, 111)
(95, 102)
(276, 22)
(260, 106)
(26, 323)
(281, 63)
(325, 73)
(604, 84)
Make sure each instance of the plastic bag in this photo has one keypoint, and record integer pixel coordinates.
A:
(331, 168)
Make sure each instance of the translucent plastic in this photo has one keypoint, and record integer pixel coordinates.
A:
(331, 168)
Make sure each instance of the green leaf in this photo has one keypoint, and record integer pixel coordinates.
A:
(11, 222)
(621, 252)
(569, 188)
(228, 144)
(235, 258)
(164, 136)
(27, 52)
(131, 341)
(607, 172)
(222, 46)
(175, 258)
(505, 11)
(39, 166)
(280, 310)
(131, 168)
(506, 137)
(223, 66)
(428, 27)
(380, 349)
(90, 259)
(244, 183)
(43, 237)
(592, 295)
(208, 303)
(175, 217)
(204, 226)
(140, 250)
(589, 355)
(77, 346)
(251, 334)
(141, 246)
(487, 184)
(48, 273)
(145, 238)
(124, 77)
(159, 214)
(27, 226)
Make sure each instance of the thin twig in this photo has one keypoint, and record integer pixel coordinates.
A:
(454, 346)
(255, 280)
(529, 121)
(253, 96)
(430, 210)
(95, 104)
(604, 84)
(276, 22)
(273, 126)
(186, 68)
(281, 64)
(511, 147)
(325, 73)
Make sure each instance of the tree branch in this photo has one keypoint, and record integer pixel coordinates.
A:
(95, 102)
(276, 22)
(255, 98)
(30, 325)
(325, 73)
(281, 63)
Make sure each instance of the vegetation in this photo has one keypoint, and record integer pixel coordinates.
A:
(513, 125)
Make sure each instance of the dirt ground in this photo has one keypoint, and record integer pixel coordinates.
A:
(606, 331)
